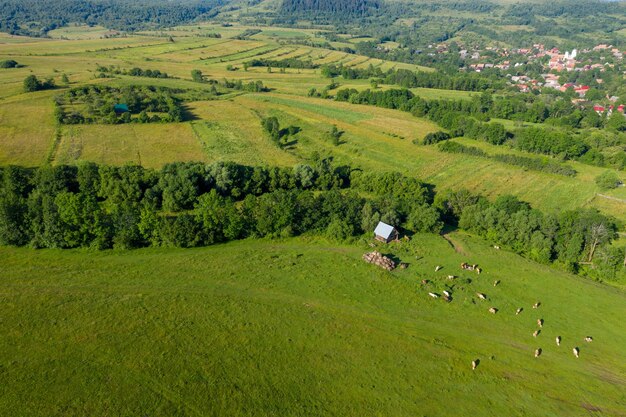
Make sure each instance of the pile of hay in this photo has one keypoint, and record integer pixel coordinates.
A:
(377, 258)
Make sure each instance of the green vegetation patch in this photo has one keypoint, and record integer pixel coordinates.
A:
(111, 105)
(300, 328)
(346, 115)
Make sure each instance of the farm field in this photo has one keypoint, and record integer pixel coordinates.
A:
(303, 328)
(229, 128)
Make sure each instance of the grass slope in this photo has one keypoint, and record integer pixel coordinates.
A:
(298, 328)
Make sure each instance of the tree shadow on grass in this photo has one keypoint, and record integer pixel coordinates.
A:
(187, 114)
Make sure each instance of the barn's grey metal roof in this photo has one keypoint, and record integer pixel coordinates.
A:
(384, 230)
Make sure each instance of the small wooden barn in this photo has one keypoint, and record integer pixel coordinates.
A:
(385, 233)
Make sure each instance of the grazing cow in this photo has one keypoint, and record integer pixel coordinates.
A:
(576, 351)
(540, 322)
(558, 340)
(536, 305)
(447, 298)
(536, 333)
(447, 293)
(438, 267)
(496, 282)
(537, 352)
(451, 276)
(478, 270)
(496, 247)
(519, 310)
(425, 281)
(474, 364)
(432, 294)
(588, 339)
(481, 296)
(493, 310)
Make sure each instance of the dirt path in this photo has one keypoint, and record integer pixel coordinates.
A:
(621, 200)
(458, 248)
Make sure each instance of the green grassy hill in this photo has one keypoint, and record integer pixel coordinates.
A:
(303, 328)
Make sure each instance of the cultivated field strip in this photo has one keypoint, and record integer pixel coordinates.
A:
(64, 47)
(240, 55)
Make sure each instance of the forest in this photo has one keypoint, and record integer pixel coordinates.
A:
(331, 7)
(37, 18)
(194, 204)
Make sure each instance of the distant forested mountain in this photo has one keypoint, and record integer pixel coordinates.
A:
(344, 7)
(37, 17)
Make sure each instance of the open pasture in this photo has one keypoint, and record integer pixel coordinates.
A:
(304, 329)
(76, 32)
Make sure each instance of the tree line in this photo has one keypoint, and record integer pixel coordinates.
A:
(294, 63)
(412, 79)
(133, 72)
(534, 164)
(194, 204)
(471, 118)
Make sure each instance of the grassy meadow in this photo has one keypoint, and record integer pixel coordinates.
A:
(303, 328)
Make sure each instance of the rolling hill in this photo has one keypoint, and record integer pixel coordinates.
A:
(299, 327)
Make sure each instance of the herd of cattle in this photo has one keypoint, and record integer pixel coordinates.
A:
(447, 296)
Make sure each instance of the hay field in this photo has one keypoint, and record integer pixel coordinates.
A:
(27, 130)
(150, 145)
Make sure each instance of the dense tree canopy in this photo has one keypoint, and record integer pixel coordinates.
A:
(192, 204)
(35, 17)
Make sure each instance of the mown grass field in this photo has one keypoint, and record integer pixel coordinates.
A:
(303, 328)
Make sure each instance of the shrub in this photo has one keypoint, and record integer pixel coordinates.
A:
(9, 63)
(436, 137)
(608, 180)
(455, 147)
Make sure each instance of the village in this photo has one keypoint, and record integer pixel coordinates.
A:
(520, 65)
